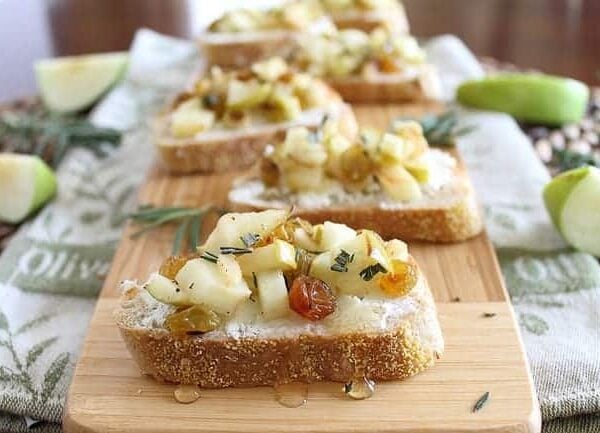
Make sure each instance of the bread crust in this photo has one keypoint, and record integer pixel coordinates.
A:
(385, 89)
(394, 354)
(367, 21)
(456, 222)
(238, 52)
(231, 151)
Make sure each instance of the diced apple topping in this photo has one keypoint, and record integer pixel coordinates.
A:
(311, 161)
(353, 52)
(272, 294)
(284, 263)
(278, 255)
(266, 92)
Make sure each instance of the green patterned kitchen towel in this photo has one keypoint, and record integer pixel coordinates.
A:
(52, 270)
(555, 290)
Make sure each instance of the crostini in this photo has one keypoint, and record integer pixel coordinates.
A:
(227, 118)
(244, 36)
(367, 14)
(380, 66)
(390, 182)
(270, 298)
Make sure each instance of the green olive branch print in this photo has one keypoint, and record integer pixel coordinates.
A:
(20, 373)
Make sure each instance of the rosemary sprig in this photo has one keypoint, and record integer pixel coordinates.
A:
(481, 402)
(190, 222)
(51, 136)
(369, 272)
(441, 130)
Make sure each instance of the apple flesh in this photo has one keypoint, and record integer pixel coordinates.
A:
(573, 202)
(26, 183)
(72, 84)
(536, 98)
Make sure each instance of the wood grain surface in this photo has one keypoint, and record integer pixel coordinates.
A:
(482, 354)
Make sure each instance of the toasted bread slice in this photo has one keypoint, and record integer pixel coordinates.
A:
(395, 19)
(221, 150)
(379, 339)
(385, 88)
(242, 49)
(446, 214)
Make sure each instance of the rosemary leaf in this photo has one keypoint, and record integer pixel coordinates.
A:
(235, 250)
(195, 227)
(209, 257)
(189, 222)
(51, 136)
(249, 239)
(481, 402)
(369, 272)
(441, 130)
(179, 235)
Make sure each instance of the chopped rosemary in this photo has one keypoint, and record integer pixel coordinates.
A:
(441, 130)
(341, 261)
(347, 387)
(209, 257)
(369, 272)
(249, 239)
(488, 315)
(338, 268)
(317, 135)
(254, 280)
(50, 136)
(235, 250)
(481, 402)
(190, 222)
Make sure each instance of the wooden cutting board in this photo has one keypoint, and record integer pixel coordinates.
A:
(483, 354)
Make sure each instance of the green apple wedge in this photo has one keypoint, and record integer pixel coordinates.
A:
(26, 183)
(72, 84)
(573, 201)
(536, 98)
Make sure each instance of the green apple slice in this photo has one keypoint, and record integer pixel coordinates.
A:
(26, 183)
(71, 84)
(536, 98)
(573, 201)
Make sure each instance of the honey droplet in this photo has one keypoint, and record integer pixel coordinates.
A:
(186, 394)
(294, 394)
(360, 388)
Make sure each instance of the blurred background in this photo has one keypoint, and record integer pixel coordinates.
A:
(554, 36)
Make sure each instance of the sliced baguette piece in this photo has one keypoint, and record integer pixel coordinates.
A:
(422, 85)
(380, 339)
(448, 214)
(221, 150)
(395, 19)
(234, 50)
(241, 49)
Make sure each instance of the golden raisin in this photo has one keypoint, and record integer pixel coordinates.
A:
(387, 64)
(269, 172)
(171, 265)
(194, 319)
(355, 164)
(401, 281)
(311, 298)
